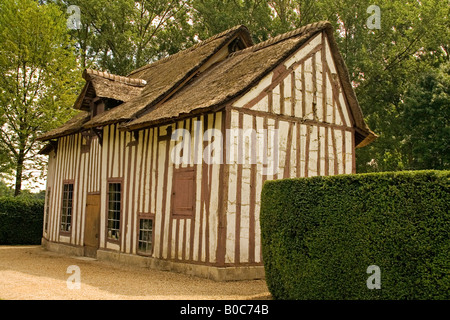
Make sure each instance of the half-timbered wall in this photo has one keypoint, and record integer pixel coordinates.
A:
(143, 163)
(77, 161)
(303, 100)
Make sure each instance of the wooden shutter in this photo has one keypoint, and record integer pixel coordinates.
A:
(183, 192)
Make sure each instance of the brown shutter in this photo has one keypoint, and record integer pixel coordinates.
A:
(183, 192)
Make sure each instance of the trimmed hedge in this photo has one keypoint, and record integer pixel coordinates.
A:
(320, 234)
(21, 220)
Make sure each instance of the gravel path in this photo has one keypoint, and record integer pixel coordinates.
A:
(31, 272)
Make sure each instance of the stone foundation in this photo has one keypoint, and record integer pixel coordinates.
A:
(199, 270)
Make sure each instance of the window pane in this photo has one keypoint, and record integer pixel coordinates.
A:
(145, 236)
(114, 210)
(66, 209)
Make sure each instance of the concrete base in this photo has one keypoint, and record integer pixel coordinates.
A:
(62, 248)
(204, 271)
(199, 270)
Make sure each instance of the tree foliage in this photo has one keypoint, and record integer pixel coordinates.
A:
(38, 79)
(120, 36)
(426, 113)
(211, 17)
(383, 65)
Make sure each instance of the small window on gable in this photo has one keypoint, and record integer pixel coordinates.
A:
(183, 192)
(103, 104)
(111, 103)
(236, 45)
(98, 108)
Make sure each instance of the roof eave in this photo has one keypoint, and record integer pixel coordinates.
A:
(46, 137)
(355, 108)
(163, 121)
(370, 137)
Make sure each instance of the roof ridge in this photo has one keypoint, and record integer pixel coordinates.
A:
(193, 47)
(320, 25)
(126, 80)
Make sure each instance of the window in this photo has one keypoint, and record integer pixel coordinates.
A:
(47, 209)
(67, 206)
(111, 103)
(98, 108)
(183, 192)
(114, 204)
(145, 241)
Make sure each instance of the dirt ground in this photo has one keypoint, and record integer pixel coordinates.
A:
(33, 273)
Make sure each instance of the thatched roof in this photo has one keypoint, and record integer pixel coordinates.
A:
(74, 125)
(175, 88)
(106, 85)
(229, 78)
(236, 75)
(165, 76)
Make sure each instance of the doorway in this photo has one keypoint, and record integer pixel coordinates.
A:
(92, 225)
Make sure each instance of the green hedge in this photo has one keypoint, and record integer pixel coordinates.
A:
(21, 220)
(320, 234)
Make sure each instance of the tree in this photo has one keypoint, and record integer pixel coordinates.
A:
(382, 63)
(120, 36)
(211, 17)
(5, 164)
(426, 113)
(39, 79)
(291, 14)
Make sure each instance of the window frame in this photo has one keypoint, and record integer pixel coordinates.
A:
(63, 213)
(145, 216)
(107, 228)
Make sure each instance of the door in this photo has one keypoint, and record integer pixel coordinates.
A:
(92, 225)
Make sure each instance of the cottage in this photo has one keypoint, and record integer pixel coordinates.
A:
(164, 167)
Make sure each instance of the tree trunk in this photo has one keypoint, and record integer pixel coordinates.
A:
(19, 171)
